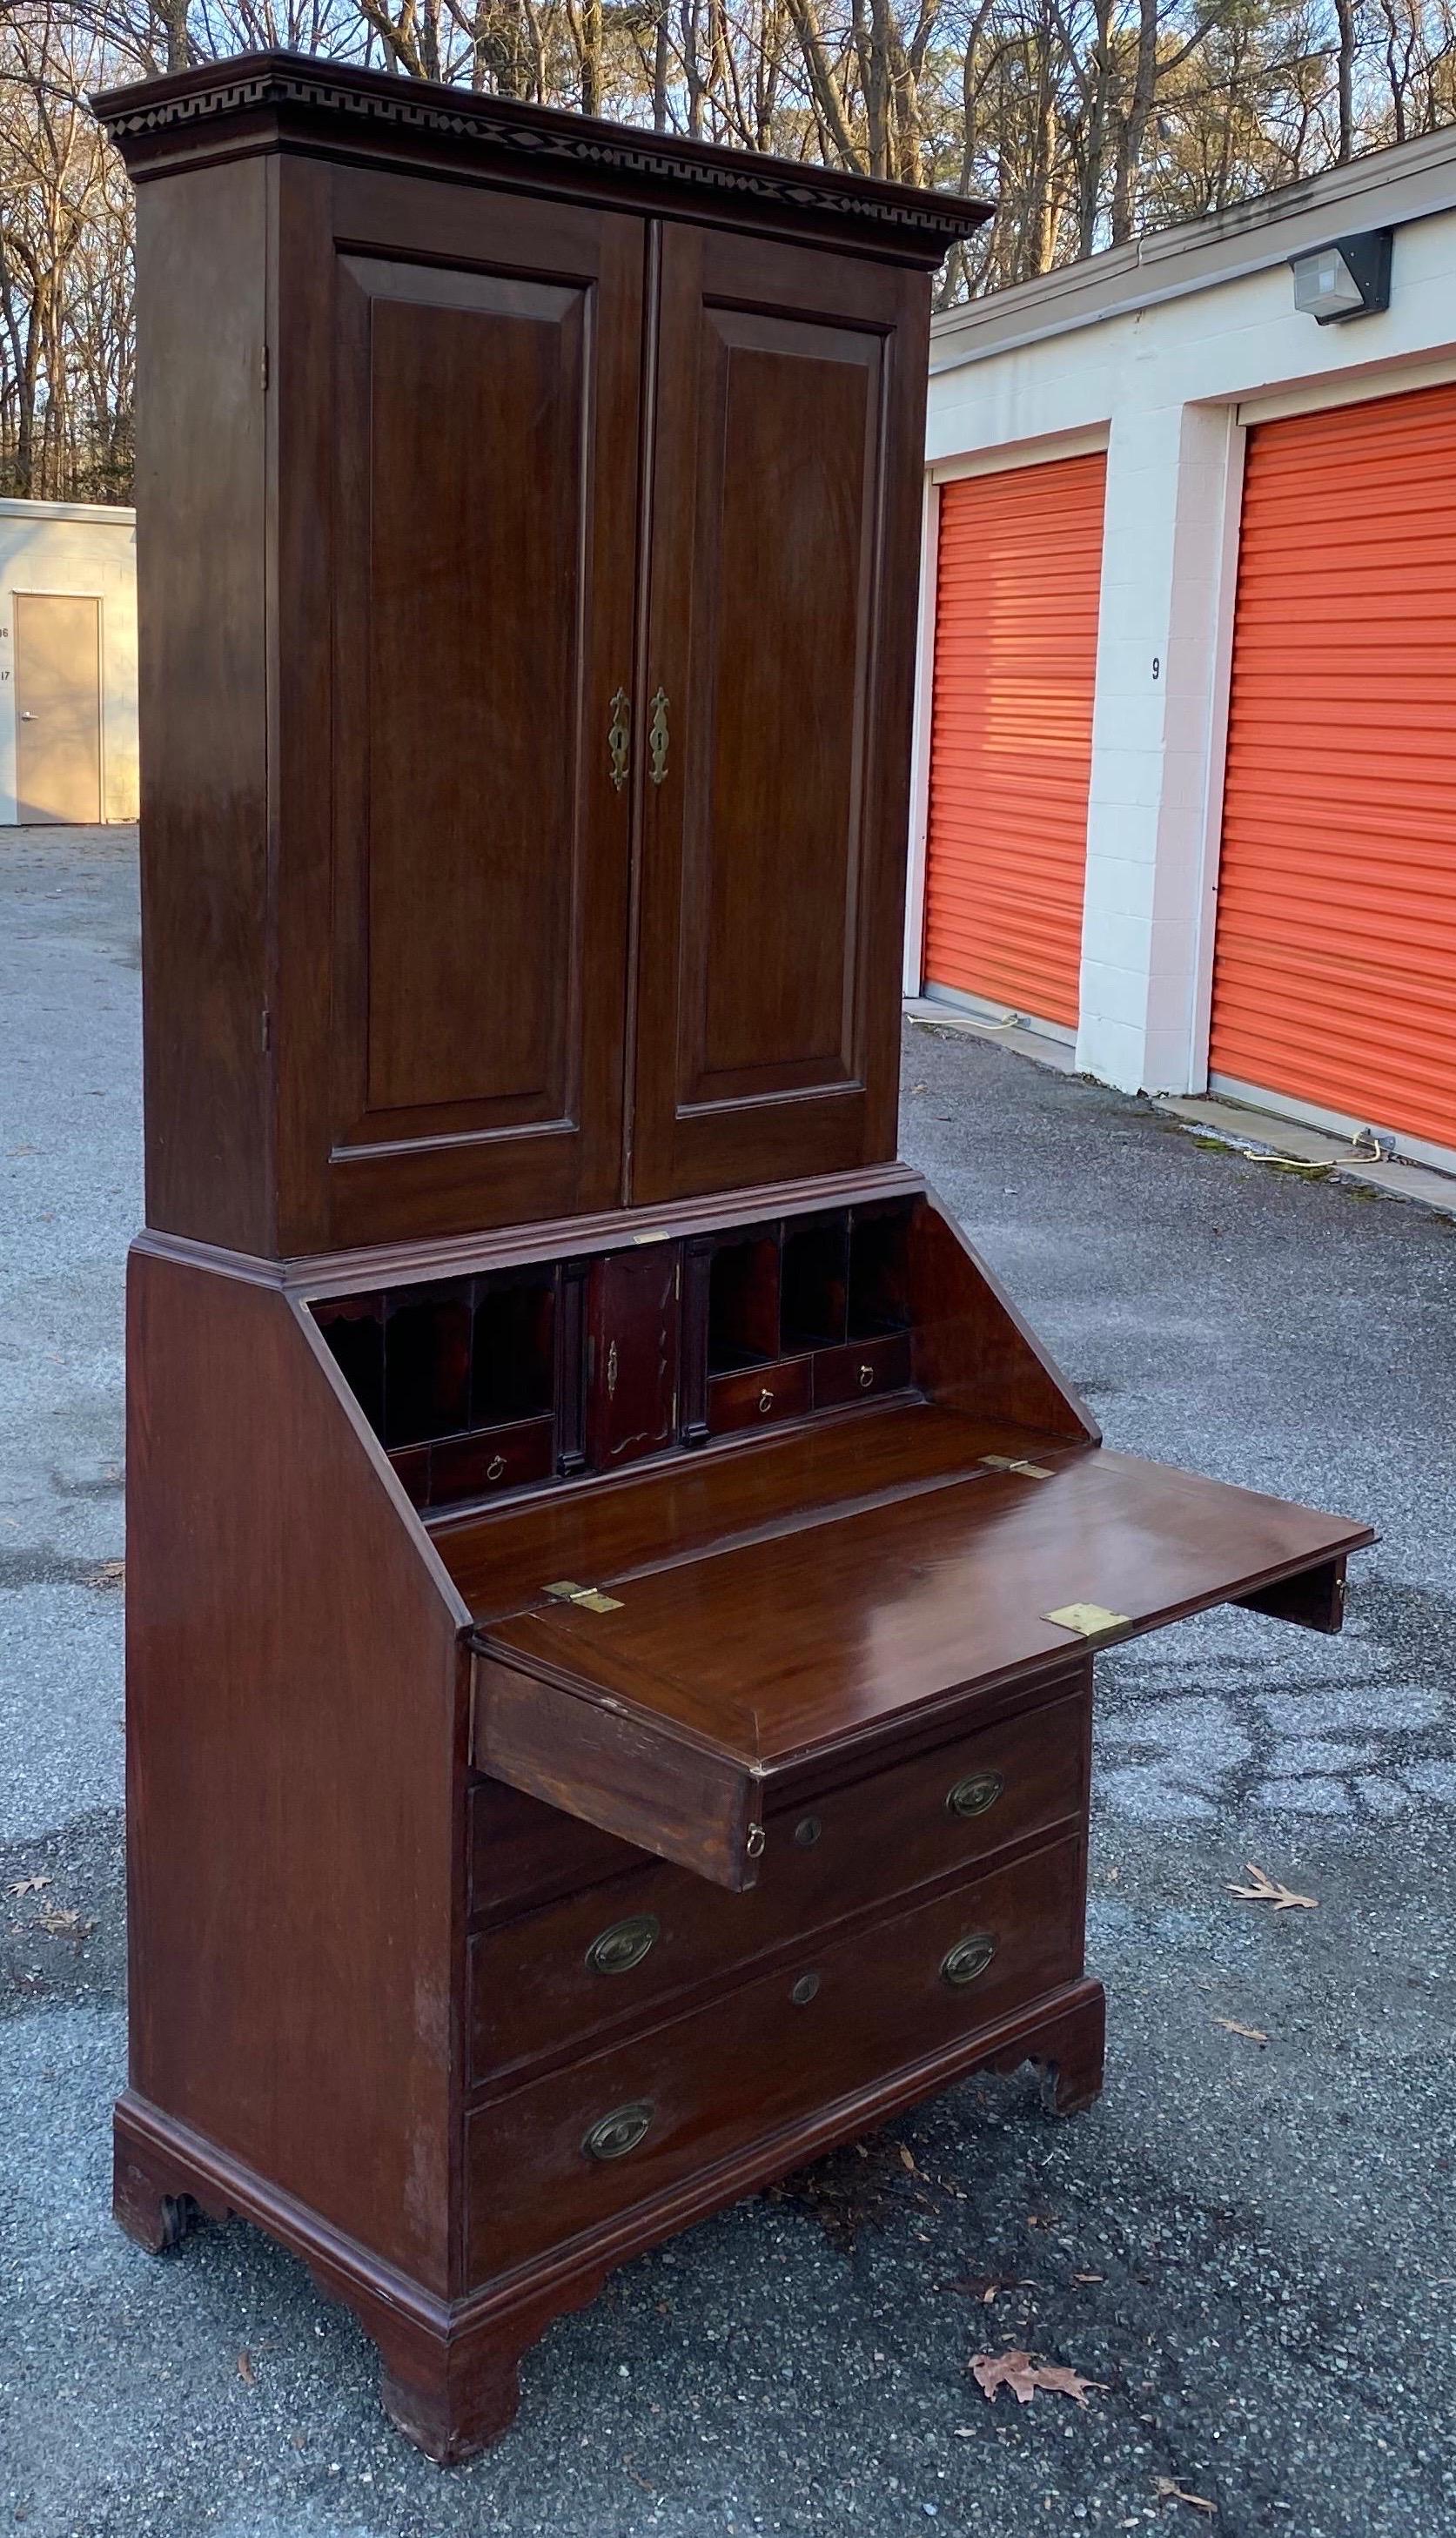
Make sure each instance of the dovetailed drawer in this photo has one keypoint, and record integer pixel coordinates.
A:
(543, 1983)
(765, 1393)
(623, 2125)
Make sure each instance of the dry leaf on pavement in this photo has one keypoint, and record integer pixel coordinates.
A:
(1235, 2027)
(107, 1572)
(1167, 2492)
(28, 1886)
(63, 1922)
(1267, 1889)
(1018, 2371)
(908, 2159)
(246, 2372)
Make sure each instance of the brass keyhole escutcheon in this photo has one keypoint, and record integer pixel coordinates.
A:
(495, 1467)
(974, 1794)
(866, 1377)
(617, 1950)
(657, 737)
(613, 2136)
(804, 1990)
(968, 1959)
(765, 1400)
(807, 1832)
(618, 738)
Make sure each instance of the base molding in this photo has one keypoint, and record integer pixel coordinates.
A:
(449, 2368)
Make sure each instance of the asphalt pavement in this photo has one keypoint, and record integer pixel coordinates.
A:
(1247, 2246)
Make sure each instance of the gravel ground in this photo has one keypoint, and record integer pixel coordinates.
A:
(1248, 2245)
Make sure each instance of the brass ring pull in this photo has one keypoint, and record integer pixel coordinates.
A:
(657, 737)
(618, 739)
(615, 1951)
(613, 2136)
(866, 1377)
(765, 1400)
(968, 1959)
(495, 1467)
(974, 1794)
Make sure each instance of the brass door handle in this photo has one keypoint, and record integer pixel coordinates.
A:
(866, 1377)
(618, 739)
(657, 737)
(765, 1400)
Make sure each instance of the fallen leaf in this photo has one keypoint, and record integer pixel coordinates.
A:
(108, 1573)
(1267, 1889)
(1235, 2027)
(1018, 2371)
(984, 2287)
(1166, 2491)
(1089, 2278)
(28, 1886)
(246, 2372)
(908, 2160)
(63, 1922)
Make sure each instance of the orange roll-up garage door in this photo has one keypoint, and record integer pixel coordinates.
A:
(1334, 954)
(1015, 643)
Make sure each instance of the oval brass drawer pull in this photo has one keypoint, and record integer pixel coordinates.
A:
(974, 1794)
(617, 1950)
(968, 1957)
(613, 2136)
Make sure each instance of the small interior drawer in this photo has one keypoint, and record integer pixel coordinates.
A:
(544, 1982)
(860, 1371)
(755, 1399)
(628, 2123)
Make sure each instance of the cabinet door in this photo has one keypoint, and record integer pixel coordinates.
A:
(634, 1315)
(776, 712)
(458, 473)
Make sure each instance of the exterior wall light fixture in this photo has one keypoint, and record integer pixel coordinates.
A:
(1349, 278)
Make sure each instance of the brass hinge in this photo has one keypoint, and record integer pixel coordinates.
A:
(1010, 1463)
(587, 1599)
(1089, 1621)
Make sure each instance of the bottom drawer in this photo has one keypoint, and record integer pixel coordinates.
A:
(577, 2148)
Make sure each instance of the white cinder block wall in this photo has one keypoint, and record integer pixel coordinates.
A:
(1165, 352)
(84, 550)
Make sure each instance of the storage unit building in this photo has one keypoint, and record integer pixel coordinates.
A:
(1269, 900)
(68, 673)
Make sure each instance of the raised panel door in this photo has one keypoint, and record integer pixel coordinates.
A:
(480, 375)
(777, 696)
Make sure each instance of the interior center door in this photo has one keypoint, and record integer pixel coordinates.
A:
(776, 712)
(483, 357)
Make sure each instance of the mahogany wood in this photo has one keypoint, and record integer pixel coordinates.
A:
(536, 1991)
(595, 1734)
(865, 2003)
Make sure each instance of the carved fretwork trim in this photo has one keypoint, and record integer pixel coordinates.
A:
(273, 81)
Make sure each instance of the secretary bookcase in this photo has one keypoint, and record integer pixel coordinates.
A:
(610, 1579)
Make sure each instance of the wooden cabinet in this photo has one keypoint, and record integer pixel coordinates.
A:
(525, 484)
(610, 1578)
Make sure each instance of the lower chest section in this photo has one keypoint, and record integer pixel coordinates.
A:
(634, 2031)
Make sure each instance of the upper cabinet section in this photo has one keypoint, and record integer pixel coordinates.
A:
(528, 552)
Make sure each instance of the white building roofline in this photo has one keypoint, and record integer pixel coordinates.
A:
(1383, 190)
(13, 509)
